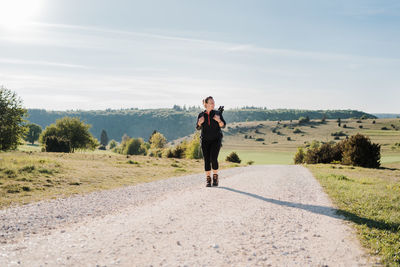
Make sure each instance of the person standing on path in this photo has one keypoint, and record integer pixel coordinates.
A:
(210, 122)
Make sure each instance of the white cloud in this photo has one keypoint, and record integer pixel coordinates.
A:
(73, 67)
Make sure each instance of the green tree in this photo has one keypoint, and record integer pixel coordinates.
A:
(193, 148)
(112, 144)
(103, 138)
(12, 128)
(134, 146)
(72, 129)
(157, 140)
(155, 131)
(34, 132)
(358, 150)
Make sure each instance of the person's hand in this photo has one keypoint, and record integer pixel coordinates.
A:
(200, 121)
(217, 118)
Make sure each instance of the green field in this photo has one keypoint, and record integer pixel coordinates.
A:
(277, 149)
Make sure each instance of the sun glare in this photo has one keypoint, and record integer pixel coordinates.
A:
(15, 13)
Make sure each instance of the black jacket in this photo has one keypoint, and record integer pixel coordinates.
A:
(210, 129)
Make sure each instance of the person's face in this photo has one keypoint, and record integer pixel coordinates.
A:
(210, 104)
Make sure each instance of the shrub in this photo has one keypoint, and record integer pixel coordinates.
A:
(134, 146)
(321, 153)
(358, 150)
(112, 144)
(315, 144)
(72, 129)
(360, 126)
(176, 152)
(157, 140)
(233, 157)
(344, 126)
(373, 122)
(155, 152)
(57, 144)
(299, 156)
(288, 138)
(338, 134)
(193, 147)
(168, 153)
(250, 162)
(297, 130)
(101, 147)
(28, 168)
(260, 139)
(303, 120)
(384, 128)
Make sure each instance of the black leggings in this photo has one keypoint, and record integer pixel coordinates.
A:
(210, 149)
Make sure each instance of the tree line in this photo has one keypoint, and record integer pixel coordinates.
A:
(175, 122)
(70, 130)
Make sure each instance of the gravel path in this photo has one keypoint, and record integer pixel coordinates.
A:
(263, 215)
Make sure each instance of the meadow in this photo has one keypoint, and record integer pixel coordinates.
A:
(28, 176)
(269, 142)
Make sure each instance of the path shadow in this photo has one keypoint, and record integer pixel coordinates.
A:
(325, 210)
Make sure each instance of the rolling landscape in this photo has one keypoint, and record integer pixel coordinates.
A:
(199, 133)
(30, 175)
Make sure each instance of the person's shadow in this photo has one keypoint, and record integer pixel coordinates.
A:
(324, 210)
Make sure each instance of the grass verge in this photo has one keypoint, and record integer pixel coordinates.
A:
(27, 177)
(370, 199)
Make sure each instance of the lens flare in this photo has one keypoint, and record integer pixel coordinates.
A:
(15, 13)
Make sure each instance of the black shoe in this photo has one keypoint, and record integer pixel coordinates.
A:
(208, 181)
(215, 179)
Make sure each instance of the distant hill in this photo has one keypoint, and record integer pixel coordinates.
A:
(174, 122)
(386, 115)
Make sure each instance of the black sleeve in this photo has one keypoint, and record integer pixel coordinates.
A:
(198, 117)
(222, 119)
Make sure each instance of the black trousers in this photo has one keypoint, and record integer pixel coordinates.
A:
(210, 149)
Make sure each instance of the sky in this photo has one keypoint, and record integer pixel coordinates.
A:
(99, 54)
